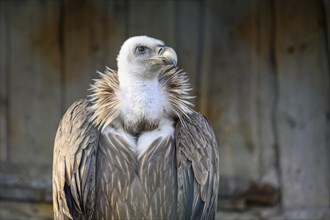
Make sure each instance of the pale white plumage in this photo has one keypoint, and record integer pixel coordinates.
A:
(141, 96)
(131, 65)
(141, 100)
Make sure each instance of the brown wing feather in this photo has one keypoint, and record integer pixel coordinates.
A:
(116, 173)
(129, 187)
(74, 164)
(198, 171)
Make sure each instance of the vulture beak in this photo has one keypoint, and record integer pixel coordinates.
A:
(165, 55)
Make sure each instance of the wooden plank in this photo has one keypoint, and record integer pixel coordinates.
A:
(34, 88)
(115, 33)
(236, 85)
(303, 105)
(275, 214)
(24, 210)
(263, 102)
(77, 45)
(4, 78)
(93, 33)
(205, 68)
(326, 20)
(25, 182)
(152, 18)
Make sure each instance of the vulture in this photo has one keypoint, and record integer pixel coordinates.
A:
(135, 148)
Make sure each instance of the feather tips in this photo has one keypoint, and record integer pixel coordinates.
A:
(105, 101)
(74, 164)
(176, 84)
(104, 98)
(198, 171)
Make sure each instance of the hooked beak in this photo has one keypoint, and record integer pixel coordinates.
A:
(166, 56)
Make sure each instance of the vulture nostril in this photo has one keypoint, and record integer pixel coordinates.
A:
(160, 50)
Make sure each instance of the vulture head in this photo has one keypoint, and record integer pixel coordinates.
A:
(144, 57)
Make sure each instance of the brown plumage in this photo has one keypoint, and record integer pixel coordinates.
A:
(106, 167)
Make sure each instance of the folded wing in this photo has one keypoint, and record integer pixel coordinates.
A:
(74, 164)
(197, 168)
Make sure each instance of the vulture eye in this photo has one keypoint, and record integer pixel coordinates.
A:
(141, 49)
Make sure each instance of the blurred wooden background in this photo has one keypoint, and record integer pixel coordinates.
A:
(259, 69)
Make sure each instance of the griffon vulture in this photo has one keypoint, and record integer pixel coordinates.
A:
(135, 149)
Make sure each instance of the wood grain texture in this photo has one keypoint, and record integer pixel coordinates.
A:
(303, 105)
(24, 210)
(25, 182)
(34, 88)
(115, 30)
(4, 79)
(326, 19)
(264, 92)
(78, 55)
(237, 91)
(152, 18)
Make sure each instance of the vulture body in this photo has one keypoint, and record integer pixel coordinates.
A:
(135, 149)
